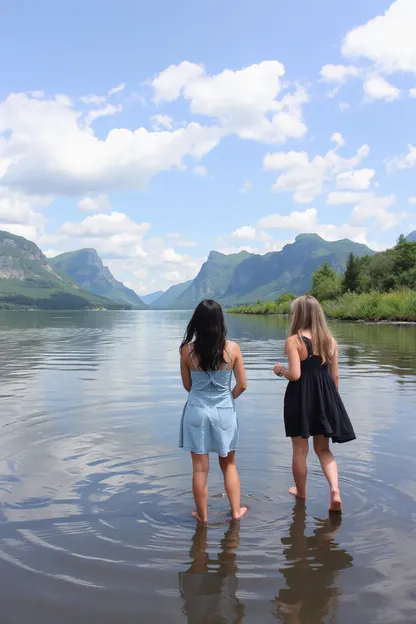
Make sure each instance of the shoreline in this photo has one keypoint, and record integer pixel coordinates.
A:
(390, 308)
(361, 321)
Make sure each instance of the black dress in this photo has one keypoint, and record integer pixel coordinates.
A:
(312, 405)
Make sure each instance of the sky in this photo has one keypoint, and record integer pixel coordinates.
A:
(158, 131)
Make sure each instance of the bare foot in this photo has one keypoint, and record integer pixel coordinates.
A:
(240, 514)
(195, 515)
(294, 492)
(336, 503)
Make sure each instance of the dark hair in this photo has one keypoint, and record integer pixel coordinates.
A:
(208, 331)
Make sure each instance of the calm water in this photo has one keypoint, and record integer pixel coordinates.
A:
(95, 496)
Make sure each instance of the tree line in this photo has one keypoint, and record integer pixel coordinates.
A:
(386, 271)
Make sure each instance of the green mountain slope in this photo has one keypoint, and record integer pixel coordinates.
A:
(170, 296)
(86, 269)
(213, 279)
(288, 270)
(28, 281)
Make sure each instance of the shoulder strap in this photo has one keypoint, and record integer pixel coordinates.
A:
(191, 355)
(230, 352)
(308, 343)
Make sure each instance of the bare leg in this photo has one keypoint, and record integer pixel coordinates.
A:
(232, 484)
(299, 467)
(330, 469)
(200, 464)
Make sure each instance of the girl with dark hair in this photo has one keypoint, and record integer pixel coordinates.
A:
(209, 421)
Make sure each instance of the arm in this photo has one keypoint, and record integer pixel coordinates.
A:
(333, 366)
(239, 373)
(293, 372)
(185, 372)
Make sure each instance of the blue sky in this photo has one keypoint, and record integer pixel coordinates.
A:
(156, 132)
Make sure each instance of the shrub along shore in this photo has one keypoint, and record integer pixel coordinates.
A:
(397, 306)
(373, 288)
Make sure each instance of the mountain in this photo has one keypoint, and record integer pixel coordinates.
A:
(86, 269)
(213, 279)
(411, 237)
(288, 270)
(245, 277)
(151, 297)
(167, 300)
(28, 281)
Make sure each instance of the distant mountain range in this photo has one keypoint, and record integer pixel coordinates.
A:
(151, 297)
(79, 279)
(411, 237)
(245, 277)
(86, 269)
(27, 281)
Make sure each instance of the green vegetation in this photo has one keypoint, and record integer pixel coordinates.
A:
(374, 306)
(381, 287)
(280, 306)
(27, 281)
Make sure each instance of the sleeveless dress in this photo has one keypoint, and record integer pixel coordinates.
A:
(312, 404)
(209, 420)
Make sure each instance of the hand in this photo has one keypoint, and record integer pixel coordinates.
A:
(278, 369)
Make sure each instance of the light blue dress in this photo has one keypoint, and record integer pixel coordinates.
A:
(209, 420)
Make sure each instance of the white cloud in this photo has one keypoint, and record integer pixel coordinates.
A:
(162, 122)
(92, 99)
(169, 84)
(244, 102)
(339, 73)
(338, 139)
(200, 170)
(377, 88)
(19, 213)
(411, 200)
(105, 111)
(338, 198)
(247, 186)
(306, 178)
(118, 89)
(27, 231)
(101, 225)
(307, 221)
(377, 208)
(412, 93)
(344, 106)
(368, 206)
(98, 203)
(403, 162)
(49, 150)
(245, 232)
(50, 253)
(355, 180)
(300, 221)
(388, 40)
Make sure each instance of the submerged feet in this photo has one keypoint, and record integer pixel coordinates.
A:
(196, 515)
(240, 514)
(297, 493)
(336, 502)
(236, 516)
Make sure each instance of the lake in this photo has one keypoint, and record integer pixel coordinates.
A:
(95, 496)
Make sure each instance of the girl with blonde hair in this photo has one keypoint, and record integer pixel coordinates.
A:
(312, 404)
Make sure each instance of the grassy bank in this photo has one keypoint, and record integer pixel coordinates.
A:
(373, 306)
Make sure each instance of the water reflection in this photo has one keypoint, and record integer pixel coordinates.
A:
(312, 566)
(210, 584)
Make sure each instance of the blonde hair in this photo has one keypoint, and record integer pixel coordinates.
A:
(307, 313)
